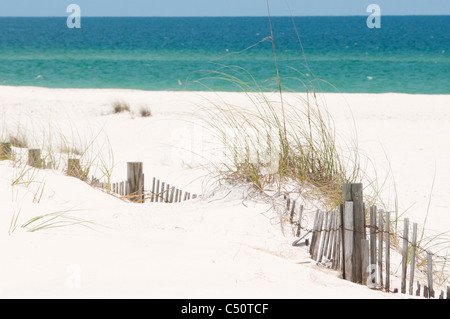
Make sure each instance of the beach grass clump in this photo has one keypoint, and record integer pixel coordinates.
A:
(145, 111)
(277, 142)
(120, 107)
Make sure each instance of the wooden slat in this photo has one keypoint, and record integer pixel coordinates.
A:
(365, 259)
(172, 194)
(291, 215)
(152, 198)
(161, 193)
(430, 273)
(331, 236)
(167, 194)
(349, 242)
(404, 255)
(157, 191)
(318, 237)
(387, 283)
(380, 250)
(314, 234)
(299, 221)
(327, 235)
(413, 259)
(341, 240)
(373, 238)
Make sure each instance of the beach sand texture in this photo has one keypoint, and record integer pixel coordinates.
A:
(224, 246)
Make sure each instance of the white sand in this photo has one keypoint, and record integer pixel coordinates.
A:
(221, 247)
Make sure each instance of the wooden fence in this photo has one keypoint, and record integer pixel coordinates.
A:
(133, 188)
(340, 239)
(360, 248)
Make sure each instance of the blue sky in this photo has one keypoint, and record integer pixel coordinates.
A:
(221, 7)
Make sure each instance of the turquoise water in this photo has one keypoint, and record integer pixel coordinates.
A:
(408, 54)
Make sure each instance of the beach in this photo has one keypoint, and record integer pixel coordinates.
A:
(226, 244)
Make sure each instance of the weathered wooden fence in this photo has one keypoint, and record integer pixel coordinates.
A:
(360, 247)
(133, 188)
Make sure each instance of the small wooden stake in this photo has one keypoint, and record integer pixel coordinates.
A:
(34, 158)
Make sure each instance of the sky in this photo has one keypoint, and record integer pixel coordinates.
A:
(222, 7)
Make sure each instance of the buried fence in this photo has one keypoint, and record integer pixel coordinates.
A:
(360, 248)
(133, 188)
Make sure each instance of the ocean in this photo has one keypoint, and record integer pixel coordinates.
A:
(408, 54)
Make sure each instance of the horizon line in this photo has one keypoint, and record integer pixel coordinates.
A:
(243, 16)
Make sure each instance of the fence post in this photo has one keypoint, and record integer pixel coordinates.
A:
(136, 181)
(34, 158)
(354, 193)
(405, 254)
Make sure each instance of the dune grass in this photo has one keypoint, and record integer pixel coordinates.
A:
(120, 107)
